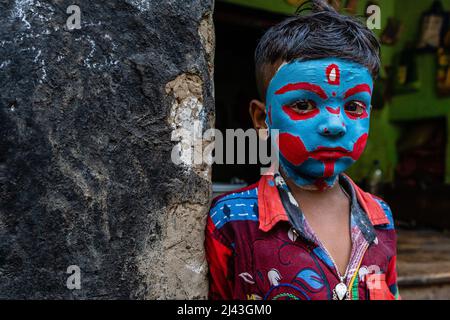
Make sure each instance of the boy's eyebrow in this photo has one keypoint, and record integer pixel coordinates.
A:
(303, 86)
(357, 89)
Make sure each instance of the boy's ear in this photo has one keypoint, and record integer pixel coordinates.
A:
(258, 114)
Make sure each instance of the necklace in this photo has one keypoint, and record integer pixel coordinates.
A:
(340, 291)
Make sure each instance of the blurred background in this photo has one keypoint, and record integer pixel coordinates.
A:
(407, 160)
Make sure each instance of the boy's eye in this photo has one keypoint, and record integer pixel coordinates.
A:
(303, 106)
(355, 108)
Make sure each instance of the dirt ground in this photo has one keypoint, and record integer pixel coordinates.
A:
(424, 264)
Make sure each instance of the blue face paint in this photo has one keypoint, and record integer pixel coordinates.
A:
(321, 109)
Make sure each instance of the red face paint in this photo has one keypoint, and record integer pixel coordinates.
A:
(359, 147)
(333, 74)
(329, 169)
(303, 86)
(358, 89)
(321, 184)
(334, 111)
(292, 148)
(322, 80)
(325, 153)
(354, 116)
(270, 115)
(329, 154)
(295, 116)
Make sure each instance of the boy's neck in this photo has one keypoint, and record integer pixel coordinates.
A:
(307, 183)
(312, 194)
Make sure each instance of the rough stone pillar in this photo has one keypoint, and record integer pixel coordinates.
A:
(86, 121)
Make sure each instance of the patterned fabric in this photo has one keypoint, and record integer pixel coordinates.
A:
(253, 252)
(362, 231)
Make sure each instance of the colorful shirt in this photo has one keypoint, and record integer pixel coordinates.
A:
(254, 252)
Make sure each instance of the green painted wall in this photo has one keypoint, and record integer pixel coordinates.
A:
(419, 105)
(424, 103)
(383, 135)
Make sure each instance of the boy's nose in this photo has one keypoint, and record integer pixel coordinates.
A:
(333, 126)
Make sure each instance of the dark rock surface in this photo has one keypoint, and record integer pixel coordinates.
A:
(85, 172)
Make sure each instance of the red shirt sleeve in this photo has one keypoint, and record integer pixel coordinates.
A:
(218, 256)
(391, 278)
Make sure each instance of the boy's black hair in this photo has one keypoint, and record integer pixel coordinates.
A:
(321, 33)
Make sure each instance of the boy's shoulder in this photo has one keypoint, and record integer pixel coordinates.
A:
(387, 211)
(370, 200)
(238, 205)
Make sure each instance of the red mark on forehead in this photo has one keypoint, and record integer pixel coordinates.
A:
(333, 75)
(295, 116)
(303, 86)
(358, 89)
(292, 148)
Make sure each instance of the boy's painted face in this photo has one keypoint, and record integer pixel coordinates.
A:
(322, 111)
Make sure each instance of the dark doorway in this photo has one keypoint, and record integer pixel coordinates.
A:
(238, 31)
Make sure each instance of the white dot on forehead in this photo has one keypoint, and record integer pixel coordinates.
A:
(333, 73)
(282, 65)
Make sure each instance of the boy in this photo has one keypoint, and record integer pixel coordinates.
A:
(307, 231)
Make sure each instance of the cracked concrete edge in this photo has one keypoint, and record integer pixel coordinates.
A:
(180, 270)
(177, 268)
(208, 39)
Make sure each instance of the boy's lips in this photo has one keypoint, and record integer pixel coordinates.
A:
(295, 152)
(325, 153)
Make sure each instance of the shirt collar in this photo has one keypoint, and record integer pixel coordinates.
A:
(270, 207)
(359, 218)
(367, 211)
